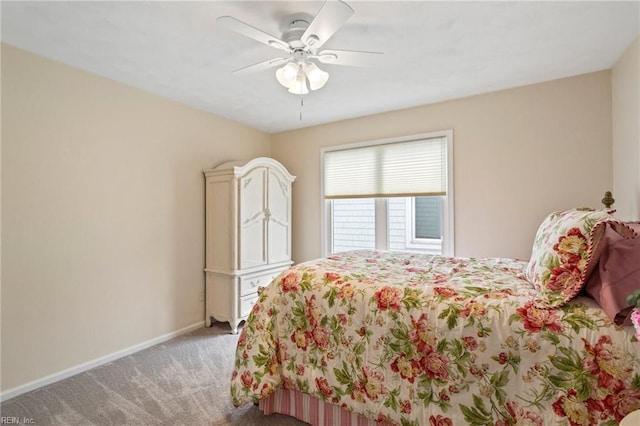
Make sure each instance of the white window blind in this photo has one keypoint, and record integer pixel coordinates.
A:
(400, 169)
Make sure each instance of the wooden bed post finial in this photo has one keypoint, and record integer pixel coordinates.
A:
(608, 199)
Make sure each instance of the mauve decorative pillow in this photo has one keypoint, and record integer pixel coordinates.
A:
(617, 274)
(565, 251)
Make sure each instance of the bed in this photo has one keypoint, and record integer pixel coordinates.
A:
(390, 338)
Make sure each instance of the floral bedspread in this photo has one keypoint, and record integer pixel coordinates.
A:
(413, 339)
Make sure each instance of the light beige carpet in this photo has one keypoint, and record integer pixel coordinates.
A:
(184, 381)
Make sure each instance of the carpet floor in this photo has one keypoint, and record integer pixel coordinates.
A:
(184, 381)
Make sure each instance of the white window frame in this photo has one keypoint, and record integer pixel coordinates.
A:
(448, 246)
(411, 240)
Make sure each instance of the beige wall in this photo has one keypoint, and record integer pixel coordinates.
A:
(102, 214)
(625, 78)
(518, 155)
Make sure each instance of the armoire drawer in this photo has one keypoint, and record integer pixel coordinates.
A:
(249, 284)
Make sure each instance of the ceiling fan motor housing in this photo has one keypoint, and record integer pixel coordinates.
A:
(293, 34)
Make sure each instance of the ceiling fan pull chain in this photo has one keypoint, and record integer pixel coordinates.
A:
(301, 105)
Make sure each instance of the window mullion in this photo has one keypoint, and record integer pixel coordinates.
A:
(382, 221)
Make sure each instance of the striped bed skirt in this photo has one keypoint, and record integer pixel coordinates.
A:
(311, 410)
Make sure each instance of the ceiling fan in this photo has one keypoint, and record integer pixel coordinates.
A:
(301, 42)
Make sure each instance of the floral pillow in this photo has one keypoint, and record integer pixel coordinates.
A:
(565, 251)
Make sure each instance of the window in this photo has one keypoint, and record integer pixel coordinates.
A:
(426, 218)
(390, 195)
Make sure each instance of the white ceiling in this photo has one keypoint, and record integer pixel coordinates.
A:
(433, 51)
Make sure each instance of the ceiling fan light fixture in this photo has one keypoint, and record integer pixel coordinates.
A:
(317, 77)
(299, 85)
(287, 74)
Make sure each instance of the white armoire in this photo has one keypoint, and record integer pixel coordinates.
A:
(248, 235)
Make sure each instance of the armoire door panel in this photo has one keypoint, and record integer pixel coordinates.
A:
(279, 250)
(252, 218)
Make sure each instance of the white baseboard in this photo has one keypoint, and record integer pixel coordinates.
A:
(18, 390)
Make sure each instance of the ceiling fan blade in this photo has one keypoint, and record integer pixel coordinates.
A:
(247, 30)
(260, 66)
(329, 19)
(349, 57)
